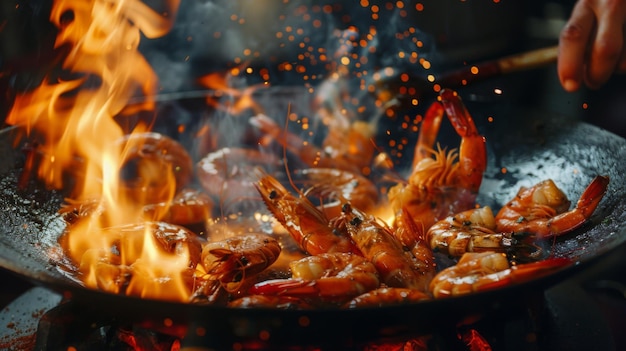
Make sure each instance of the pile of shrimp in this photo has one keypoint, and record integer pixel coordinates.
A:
(315, 236)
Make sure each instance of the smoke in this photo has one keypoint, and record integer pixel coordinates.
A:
(317, 60)
(294, 42)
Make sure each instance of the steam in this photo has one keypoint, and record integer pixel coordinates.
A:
(322, 60)
(216, 35)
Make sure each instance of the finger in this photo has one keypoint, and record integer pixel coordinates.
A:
(621, 63)
(573, 44)
(606, 48)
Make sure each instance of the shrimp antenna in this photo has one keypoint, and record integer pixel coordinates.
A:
(222, 202)
(291, 182)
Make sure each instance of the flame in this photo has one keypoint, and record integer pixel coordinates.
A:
(240, 99)
(73, 113)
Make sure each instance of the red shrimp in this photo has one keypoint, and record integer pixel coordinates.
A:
(386, 296)
(324, 278)
(346, 147)
(441, 182)
(228, 175)
(480, 271)
(543, 209)
(150, 161)
(376, 242)
(240, 257)
(306, 223)
(334, 187)
(189, 206)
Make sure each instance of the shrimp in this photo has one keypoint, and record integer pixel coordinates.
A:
(154, 168)
(73, 210)
(480, 271)
(475, 231)
(172, 238)
(120, 268)
(346, 148)
(542, 210)
(335, 187)
(209, 292)
(441, 182)
(376, 242)
(306, 224)
(188, 207)
(535, 213)
(127, 238)
(412, 236)
(150, 160)
(465, 231)
(329, 277)
(240, 257)
(386, 296)
(227, 175)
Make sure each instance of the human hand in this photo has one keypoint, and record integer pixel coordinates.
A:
(591, 45)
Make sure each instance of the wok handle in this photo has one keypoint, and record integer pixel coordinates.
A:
(514, 63)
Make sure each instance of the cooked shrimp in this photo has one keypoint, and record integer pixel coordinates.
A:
(334, 187)
(412, 236)
(209, 292)
(441, 182)
(535, 213)
(346, 147)
(172, 238)
(127, 240)
(330, 277)
(543, 209)
(376, 242)
(227, 174)
(306, 224)
(475, 231)
(150, 161)
(455, 235)
(386, 296)
(240, 257)
(189, 206)
(73, 210)
(479, 271)
(122, 268)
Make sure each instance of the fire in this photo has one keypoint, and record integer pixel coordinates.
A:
(73, 114)
(221, 85)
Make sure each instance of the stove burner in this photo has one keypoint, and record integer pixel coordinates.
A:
(66, 327)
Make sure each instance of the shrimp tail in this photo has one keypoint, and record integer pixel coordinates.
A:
(586, 205)
(592, 195)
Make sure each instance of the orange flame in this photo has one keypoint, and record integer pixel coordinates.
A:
(74, 118)
(241, 99)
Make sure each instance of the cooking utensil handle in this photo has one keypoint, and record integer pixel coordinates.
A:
(514, 63)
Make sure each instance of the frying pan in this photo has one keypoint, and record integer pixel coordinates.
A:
(531, 145)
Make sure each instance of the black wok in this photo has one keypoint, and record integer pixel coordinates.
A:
(531, 145)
